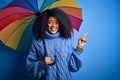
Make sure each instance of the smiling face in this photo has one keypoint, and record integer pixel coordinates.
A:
(53, 25)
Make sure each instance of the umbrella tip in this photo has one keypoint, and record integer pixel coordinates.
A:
(38, 13)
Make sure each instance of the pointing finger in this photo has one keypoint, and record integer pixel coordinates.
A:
(85, 34)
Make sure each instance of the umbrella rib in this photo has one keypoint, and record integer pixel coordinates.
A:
(13, 33)
(63, 7)
(52, 3)
(26, 19)
(42, 4)
(6, 6)
(75, 17)
(13, 14)
(49, 4)
(70, 7)
(31, 5)
(20, 25)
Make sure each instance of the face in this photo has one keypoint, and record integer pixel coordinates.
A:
(53, 25)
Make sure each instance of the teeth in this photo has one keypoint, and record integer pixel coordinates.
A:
(53, 29)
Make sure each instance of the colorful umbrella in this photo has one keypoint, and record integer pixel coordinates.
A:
(17, 18)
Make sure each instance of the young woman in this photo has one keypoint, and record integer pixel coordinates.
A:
(51, 55)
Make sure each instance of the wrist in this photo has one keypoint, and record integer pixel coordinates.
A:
(44, 64)
(79, 47)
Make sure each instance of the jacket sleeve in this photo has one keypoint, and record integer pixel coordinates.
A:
(74, 62)
(34, 66)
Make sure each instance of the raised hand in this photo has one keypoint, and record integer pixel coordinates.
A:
(82, 41)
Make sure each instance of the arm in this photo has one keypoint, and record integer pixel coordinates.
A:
(74, 63)
(34, 65)
(74, 60)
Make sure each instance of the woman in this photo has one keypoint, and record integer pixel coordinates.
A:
(51, 55)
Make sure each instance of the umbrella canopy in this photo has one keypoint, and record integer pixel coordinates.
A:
(17, 18)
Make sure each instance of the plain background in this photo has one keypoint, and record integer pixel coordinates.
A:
(101, 56)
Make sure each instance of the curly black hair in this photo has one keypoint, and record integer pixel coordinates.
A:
(40, 24)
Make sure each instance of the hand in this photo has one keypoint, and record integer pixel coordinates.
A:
(82, 41)
(47, 61)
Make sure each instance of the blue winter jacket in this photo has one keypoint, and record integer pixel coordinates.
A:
(68, 58)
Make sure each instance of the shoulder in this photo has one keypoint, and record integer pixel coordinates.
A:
(68, 40)
(36, 41)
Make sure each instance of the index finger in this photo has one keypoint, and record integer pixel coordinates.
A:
(84, 35)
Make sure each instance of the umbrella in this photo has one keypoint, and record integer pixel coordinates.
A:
(17, 18)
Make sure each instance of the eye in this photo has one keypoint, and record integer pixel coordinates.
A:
(49, 22)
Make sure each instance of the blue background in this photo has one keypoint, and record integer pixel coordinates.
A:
(101, 54)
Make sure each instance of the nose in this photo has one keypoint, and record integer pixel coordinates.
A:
(53, 24)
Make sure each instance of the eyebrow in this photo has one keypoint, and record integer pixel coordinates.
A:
(52, 20)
